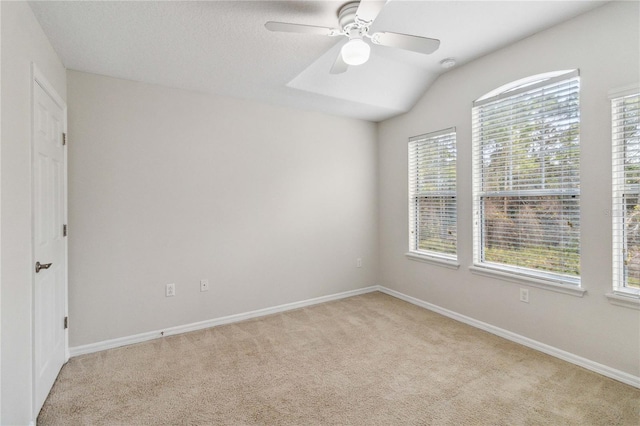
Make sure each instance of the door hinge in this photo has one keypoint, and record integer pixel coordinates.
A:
(66, 322)
(64, 230)
(64, 138)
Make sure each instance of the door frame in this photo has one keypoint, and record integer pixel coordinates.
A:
(38, 79)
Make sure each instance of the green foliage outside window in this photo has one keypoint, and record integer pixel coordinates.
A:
(528, 183)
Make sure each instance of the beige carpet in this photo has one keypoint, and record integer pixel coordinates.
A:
(366, 360)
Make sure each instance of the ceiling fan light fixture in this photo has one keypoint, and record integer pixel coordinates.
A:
(356, 52)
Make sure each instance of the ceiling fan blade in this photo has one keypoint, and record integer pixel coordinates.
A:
(407, 42)
(339, 66)
(298, 28)
(368, 10)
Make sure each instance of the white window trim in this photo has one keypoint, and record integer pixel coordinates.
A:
(526, 84)
(625, 299)
(433, 257)
(505, 275)
(621, 92)
(621, 296)
(556, 282)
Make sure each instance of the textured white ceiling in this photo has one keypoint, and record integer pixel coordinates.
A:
(222, 47)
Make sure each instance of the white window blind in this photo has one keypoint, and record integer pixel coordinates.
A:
(432, 194)
(526, 180)
(626, 191)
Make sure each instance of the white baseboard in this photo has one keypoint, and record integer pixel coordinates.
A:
(607, 371)
(143, 337)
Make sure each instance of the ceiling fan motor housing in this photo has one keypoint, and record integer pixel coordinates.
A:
(347, 15)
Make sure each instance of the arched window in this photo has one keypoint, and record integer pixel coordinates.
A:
(526, 178)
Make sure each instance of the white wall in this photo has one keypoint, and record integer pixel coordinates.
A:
(23, 42)
(272, 205)
(604, 45)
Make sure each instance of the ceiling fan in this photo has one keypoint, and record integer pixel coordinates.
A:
(355, 18)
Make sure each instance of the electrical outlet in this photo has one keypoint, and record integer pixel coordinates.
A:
(204, 285)
(358, 263)
(170, 290)
(524, 295)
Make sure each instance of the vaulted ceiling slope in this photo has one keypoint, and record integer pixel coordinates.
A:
(222, 47)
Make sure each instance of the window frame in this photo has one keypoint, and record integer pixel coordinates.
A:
(621, 293)
(539, 278)
(439, 258)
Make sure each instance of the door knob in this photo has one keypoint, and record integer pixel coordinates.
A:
(42, 266)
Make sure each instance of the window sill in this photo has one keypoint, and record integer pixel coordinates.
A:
(627, 300)
(530, 281)
(434, 260)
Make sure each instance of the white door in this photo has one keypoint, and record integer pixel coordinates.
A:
(49, 247)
